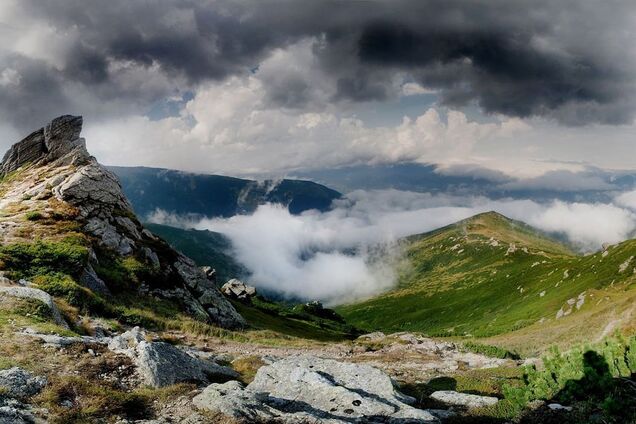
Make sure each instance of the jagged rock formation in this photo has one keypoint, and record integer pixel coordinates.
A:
(311, 389)
(51, 169)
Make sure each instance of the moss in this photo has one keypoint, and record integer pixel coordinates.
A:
(27, 260)
(64, 286)
(35, 309)
(124, 274)
(33, 216)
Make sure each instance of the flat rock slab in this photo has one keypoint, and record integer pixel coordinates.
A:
(450, 397)
(310, 389)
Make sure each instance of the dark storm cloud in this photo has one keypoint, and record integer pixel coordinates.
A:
(567, 60)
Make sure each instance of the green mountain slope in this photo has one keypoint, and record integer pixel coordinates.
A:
(205, 248)
(490, 276)
(183, 193)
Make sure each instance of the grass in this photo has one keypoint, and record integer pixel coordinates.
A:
(457, 281)
(484, 382)
(296, 321)
(247, 366)
(33, 216)
(598, 379)
(489, 350)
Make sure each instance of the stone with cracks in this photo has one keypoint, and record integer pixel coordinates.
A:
(161, 364)
(237, 289)
(310, 389)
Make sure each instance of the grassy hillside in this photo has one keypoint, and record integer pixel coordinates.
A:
(204, 247)
(489, 276)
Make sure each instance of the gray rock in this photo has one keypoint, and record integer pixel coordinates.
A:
(127, 342)
(91, 280)
(109, 236)
(20, 384)
(305, 388)
(37, 294)
(58, 341)
(463, 399)
(28, 150)
(94, 190)
(559, 407)
(232, 400)
(210, 273)
(161, 364)
(57, 142)
(129, 225)
(107, 215)
(237, 289)
(151, 256)
(13, 415)
(220, 309)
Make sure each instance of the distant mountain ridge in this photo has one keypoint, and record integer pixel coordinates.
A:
(183, 193)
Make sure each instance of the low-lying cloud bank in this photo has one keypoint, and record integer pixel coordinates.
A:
(333, 256)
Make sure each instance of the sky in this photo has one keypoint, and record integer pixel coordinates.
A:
(275, 87)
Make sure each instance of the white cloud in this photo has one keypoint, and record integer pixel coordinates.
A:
(304, 256)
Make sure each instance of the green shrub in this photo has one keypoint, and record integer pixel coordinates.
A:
(33, 216)
(489, 350)
(594, 373)
(64, 286)
(123, 274)
(37, 310)
(27, 260)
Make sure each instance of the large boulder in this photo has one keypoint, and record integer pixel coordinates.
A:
(161, 364)
(310, 389)
(237, 289)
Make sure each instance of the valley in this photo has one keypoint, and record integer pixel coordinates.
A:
(106, 319)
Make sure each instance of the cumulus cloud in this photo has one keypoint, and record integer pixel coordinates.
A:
(333, 256)
(234, 131)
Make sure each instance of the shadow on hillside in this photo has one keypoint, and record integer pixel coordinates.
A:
(597, 397)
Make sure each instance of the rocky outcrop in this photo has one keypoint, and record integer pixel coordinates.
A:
(56, 165)
(57, 142)
(466, 400)
(160, 364)
(311, 389)
(238, 289)
(39, 295)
